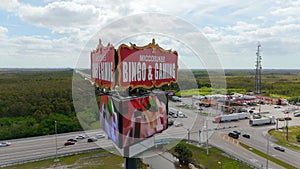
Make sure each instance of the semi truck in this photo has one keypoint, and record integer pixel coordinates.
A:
(262, 121)
(231, 117)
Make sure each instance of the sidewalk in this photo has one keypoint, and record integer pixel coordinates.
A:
(158, 159)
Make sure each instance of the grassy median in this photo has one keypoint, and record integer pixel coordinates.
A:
(214, 159)
(270, 158)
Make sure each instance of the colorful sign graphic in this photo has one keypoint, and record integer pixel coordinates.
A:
(128, 121)
(146, 116)
(109, 118)
(148, 66)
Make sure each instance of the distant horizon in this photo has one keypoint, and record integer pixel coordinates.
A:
(69, 68)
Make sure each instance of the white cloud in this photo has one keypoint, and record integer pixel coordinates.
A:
(9, 5)
(59, 15)
(288, 20)
(232, 27)
(3, 31)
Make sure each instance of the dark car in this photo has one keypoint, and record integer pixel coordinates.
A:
(233, 135)
(71, 139)
(92, 139)
(288, 118)
(170, 122)
(279, 148)
(246, 135)
(69, 143)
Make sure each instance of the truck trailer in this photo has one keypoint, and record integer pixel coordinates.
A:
(231, 117)
(262, 121)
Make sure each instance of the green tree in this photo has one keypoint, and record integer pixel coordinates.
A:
(184, 154)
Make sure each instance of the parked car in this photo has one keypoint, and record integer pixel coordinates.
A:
(256, 116)
(92, 139)
(277, 106)
(180, 114)
(174, 115)
(279, 148)
(287, 118)
(233, 135)
(170, 122)
(177, 124)
(69, 143)
(246, 135)
(4, 144)
(80, 136)
(297, 115)
(237, 132)
(100, 136)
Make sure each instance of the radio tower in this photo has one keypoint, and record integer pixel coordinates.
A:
(257, 87)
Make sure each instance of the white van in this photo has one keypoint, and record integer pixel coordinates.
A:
(172, 111)
(180, 114)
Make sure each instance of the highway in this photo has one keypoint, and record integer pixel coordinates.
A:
(44, 147)
(29, 149)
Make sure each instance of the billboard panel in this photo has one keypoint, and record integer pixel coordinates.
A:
(147, 66)
(133, 119)
(109, 118)
(103, 66)
(144, 117)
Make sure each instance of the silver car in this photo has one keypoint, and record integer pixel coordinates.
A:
(4, 144)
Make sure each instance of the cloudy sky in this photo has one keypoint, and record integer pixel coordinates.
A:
(54, 34)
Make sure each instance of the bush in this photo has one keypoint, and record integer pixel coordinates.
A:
(183, 153)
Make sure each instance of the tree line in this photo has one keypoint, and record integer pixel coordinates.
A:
(30, 102)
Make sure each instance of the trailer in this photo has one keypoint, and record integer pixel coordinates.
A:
(262, 121)
(231, 117)
(243, 115)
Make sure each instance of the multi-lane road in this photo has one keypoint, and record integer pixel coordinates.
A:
(35, 148)
(45, 146)
(258, 139)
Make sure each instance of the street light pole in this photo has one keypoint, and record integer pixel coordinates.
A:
(267, 165)
(199, 137)
(189, 135)
(56, 159)
(206, 134)
(287, 127)
(220, 162)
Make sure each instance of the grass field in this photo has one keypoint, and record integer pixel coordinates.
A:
(293, 131)
(270, 158)
(91, 160)
(214, 159)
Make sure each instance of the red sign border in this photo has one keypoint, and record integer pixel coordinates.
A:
(99, 48)
(154, 47)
